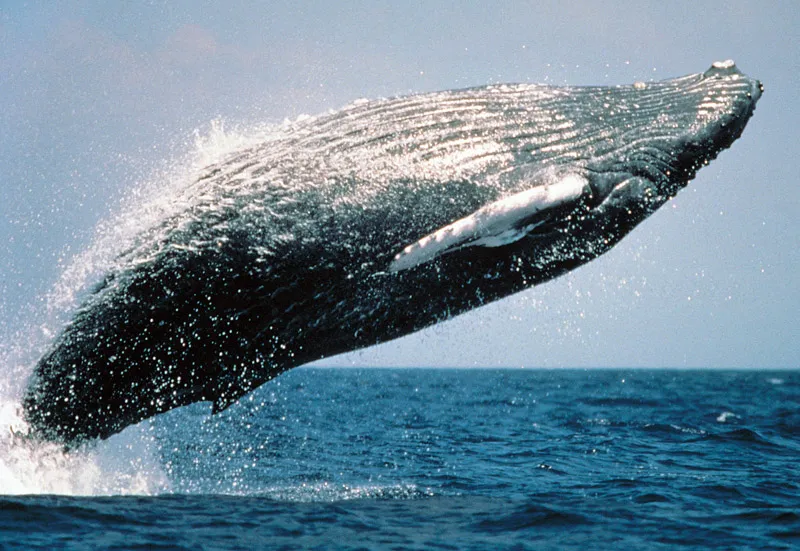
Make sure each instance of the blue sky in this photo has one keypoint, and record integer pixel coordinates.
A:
(98, 96)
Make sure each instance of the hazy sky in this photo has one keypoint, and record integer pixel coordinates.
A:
(97, 96)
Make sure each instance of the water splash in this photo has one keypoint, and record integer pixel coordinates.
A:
(128, 463)
(329, 492)
(124, 467)
(166, 192)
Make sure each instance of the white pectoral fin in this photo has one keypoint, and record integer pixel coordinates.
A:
(496, 224)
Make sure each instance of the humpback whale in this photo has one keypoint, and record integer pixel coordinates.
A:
(362, 225)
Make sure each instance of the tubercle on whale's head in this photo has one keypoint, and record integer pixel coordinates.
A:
(726, 99)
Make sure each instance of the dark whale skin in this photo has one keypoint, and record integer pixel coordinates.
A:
(303, 247)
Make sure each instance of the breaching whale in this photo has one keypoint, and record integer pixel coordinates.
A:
(366, 224)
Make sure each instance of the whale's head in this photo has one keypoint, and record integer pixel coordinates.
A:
(587, 165)
(660, 134)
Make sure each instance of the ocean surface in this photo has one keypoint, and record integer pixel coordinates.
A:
(434, 459)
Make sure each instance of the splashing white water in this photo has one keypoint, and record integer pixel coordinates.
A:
(329, 492)
(128, 463)
(123, 466)
(165, 193)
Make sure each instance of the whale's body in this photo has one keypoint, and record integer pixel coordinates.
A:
(370, 223)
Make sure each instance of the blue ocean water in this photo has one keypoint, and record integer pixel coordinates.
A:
(459, 459)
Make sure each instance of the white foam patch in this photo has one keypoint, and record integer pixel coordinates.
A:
(726, 416)
(124, 465)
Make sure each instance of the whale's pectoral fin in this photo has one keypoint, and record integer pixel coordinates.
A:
(500, 223)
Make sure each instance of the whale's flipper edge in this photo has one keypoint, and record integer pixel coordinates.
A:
(499, 223)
